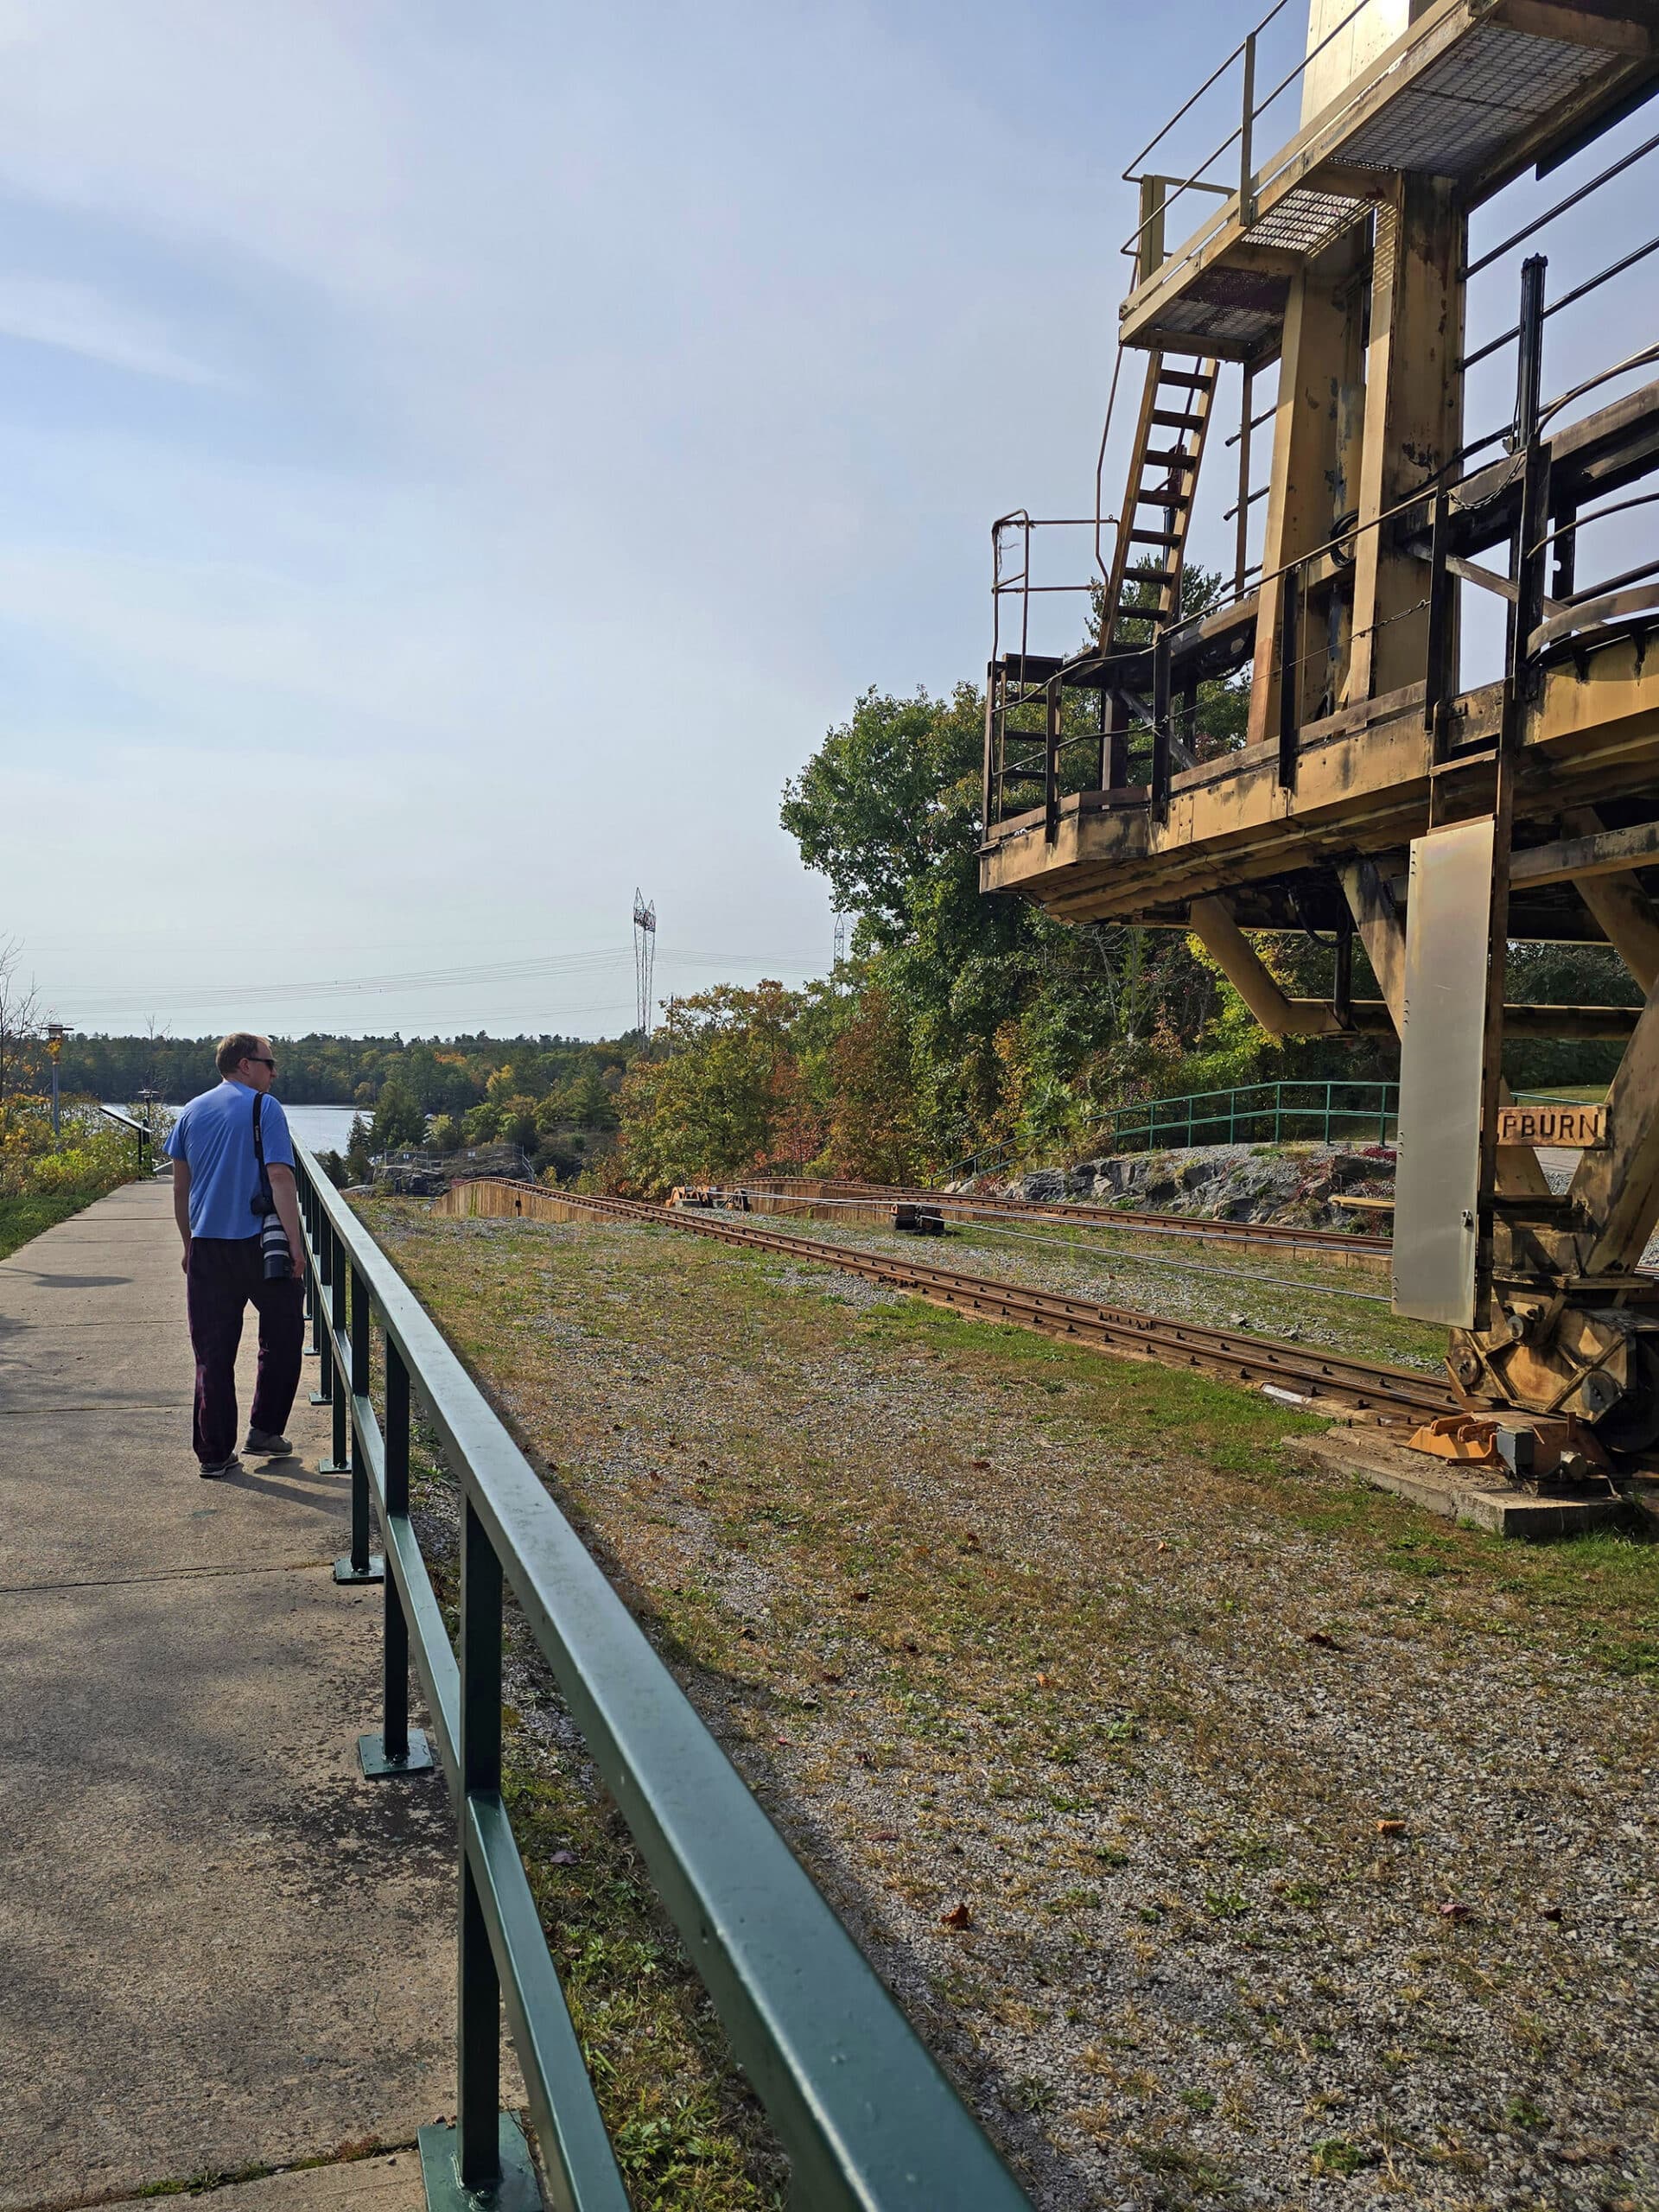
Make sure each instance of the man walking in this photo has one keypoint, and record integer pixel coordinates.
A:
(215, 1178)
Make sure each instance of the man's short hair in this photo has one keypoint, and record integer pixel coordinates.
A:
(240, 1045)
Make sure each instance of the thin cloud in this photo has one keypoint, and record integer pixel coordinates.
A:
(75, 319)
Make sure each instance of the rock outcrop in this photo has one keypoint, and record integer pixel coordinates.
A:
(1304, 1183)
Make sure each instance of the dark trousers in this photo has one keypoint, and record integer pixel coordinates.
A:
(226, 1272)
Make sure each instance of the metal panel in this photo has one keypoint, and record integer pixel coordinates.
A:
(1343, 41)
(1437, 1185)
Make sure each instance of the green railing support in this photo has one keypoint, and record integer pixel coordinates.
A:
(866, 2119)
(359, 1565)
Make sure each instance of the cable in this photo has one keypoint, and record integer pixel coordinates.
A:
(551, 966)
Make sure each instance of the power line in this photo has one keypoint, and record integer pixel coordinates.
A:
(553, 967)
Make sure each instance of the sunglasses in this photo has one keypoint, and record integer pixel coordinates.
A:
(259, 1060)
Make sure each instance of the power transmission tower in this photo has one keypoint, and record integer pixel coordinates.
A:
(839, 952)
(644, 956)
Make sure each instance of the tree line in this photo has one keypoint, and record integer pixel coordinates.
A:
(481, 1076)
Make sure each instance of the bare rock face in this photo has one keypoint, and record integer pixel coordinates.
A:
(1304, 1183)
(423, 1174)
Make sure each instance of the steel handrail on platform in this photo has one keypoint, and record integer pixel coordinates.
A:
(863, 2114)
(134, 1128)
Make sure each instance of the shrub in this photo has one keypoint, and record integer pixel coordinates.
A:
(88, 1158)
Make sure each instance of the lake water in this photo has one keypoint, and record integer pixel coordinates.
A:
(321, 1129)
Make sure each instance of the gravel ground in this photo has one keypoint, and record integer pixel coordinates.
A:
(1234, 1838)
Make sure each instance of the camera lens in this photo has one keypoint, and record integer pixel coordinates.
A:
(273, 1245)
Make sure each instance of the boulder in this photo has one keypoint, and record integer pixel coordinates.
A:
(1344, 1169)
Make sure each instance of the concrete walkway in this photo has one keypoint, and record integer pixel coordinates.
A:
(219, 1947)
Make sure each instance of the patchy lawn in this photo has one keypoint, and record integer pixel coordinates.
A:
(23, 1220)
(1234, 1837)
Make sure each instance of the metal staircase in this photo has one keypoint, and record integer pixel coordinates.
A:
(1163, 477)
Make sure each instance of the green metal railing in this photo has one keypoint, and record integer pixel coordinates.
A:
(864, 2115)
(1258, 1113)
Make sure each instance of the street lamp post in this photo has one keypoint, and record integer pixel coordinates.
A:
(147, 1098)
(54, 1054)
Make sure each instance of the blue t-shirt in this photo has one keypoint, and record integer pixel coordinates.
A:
(214, 1138)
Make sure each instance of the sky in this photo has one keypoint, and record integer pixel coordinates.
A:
(459, 462)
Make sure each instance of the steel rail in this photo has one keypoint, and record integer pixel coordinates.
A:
(867, 2120)
(1234, 1356)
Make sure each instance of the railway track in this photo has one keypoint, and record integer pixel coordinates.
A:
(966, 1206)
(1301, 1372)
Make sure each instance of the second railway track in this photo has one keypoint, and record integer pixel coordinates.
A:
(1321, 1379)
(1326, 1243)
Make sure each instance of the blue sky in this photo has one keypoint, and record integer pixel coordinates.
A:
(458, 463)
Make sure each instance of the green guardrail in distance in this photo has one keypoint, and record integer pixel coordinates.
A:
(1311, 1112)
(1261, 1113)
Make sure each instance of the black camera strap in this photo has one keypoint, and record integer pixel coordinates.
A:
(267, 1197)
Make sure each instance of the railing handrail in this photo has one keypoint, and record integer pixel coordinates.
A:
(863, 2112)
(1242, 1090)
(144, 1135)
(1177, 1109)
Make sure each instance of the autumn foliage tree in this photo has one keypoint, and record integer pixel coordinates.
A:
(722, 1096)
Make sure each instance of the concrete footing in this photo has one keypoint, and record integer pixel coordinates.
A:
(1474, 1497)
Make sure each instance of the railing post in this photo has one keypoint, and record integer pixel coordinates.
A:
(1161, 749)
(1149, 240)
(308, 1218)
(1246, 140)
(359, 1565)
(1527, 568)
(1438, 685)
(993, 731)
(1241, 533)
(398, 1749)
(321, 1252)
(331, 1394)
(478, 2080)
(1051, 762)
(1290, 677)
